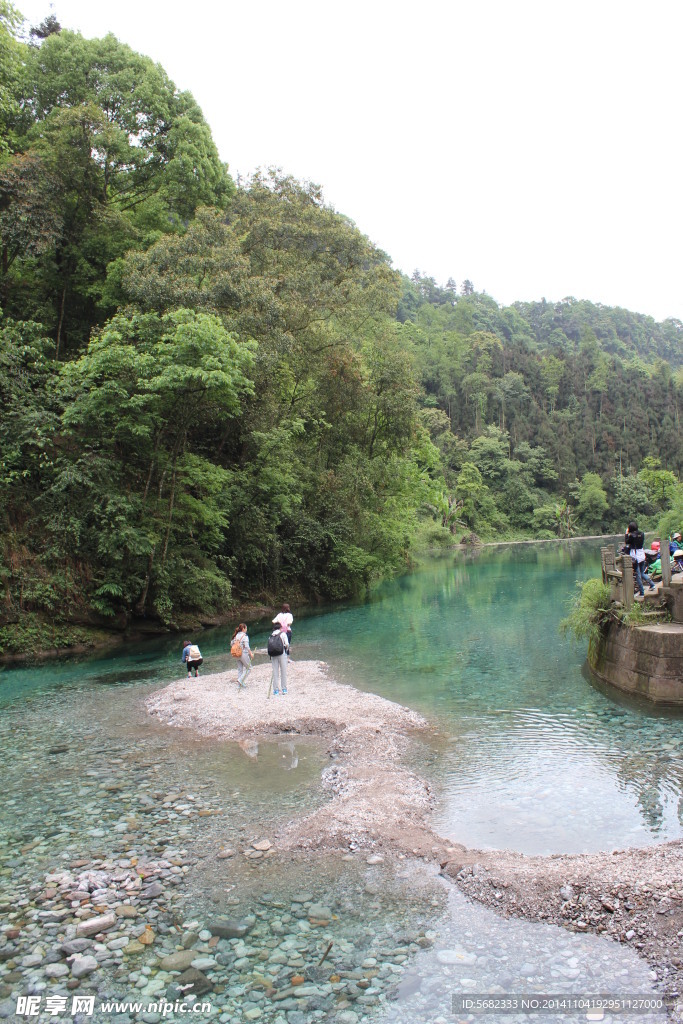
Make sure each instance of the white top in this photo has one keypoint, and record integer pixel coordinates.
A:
(638, 554)
(284, 618)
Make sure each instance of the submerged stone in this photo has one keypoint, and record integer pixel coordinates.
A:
(230, 928)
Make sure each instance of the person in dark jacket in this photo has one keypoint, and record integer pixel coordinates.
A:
(635, 542)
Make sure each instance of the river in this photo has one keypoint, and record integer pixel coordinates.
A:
(528, 754)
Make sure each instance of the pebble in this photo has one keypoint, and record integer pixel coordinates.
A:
(203, 963)
(96, 924)
(82, 965)
(56, 971)
(179, 961)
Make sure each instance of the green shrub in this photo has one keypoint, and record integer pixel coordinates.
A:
(589, 612)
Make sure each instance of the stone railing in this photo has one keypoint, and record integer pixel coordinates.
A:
(617, 573)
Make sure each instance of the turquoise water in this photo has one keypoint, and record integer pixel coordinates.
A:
(530, 754)
(527, 753)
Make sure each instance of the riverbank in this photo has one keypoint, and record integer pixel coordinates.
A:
(35, 636)
(39, 640)
(376, 805)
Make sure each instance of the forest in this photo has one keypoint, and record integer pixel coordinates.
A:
(216, 393)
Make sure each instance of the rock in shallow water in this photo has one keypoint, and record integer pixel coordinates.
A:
(198, 982)
(96, 924)
(230, 928)
(179, 961)
(82, 965)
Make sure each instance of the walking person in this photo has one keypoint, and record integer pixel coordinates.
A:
(240, 649)
(278, 649)
(284, 616)
(192, 656)
(635, 542)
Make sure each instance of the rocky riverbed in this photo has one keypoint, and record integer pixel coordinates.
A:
(289, 876)
(634, 896)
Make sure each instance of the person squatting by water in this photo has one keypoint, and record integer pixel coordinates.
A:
(635, 542)
(244, 660)
(193, 656)
(285, 617)
(278, 649)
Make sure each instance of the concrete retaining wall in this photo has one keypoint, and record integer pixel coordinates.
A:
(645, 660)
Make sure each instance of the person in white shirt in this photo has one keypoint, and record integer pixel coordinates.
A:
(279, 661)
(285, 617)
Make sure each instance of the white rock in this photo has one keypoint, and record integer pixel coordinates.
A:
(82, 965)
(203, 963)
(56, 971)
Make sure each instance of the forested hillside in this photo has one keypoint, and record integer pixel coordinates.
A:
(213, 393)
(546, 428)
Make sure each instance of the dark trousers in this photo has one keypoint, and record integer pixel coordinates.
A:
(640, 576)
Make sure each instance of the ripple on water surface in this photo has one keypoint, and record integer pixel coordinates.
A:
(96, 786)
(535, 757)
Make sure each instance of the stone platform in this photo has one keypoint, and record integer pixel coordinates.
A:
(644, 660)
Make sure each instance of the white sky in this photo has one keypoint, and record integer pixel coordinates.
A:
(532, 146)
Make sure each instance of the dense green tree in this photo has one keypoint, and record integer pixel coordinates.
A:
(136, 486)
(631, 499)
(661, 483)
(110, 153)
(12, 56)
(591, 502)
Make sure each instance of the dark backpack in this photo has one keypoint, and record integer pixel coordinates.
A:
(635, 539)
(275, 645)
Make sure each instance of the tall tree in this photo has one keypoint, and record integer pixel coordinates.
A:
(125, 154)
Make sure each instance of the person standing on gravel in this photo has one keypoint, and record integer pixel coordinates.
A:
(285, 617)
(241, 640)
(278, 649)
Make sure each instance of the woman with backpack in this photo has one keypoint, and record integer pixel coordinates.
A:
(278, 649)
(635, 541)
(193, 657)
(240, 649)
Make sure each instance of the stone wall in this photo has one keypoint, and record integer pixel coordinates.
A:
(645, 660)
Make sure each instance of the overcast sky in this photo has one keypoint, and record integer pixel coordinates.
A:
(532, 146)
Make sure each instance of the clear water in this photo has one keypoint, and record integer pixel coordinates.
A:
(528, 754)
(532, 755)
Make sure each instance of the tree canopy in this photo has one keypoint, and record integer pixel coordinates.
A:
(215, 393)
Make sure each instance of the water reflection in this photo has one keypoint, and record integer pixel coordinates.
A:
(535, 758)
(533, 755)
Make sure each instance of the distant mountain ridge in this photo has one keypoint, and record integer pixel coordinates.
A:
(618, 331)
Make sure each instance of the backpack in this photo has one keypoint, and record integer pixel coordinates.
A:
(194, 654)
(275, 645)
(236, 649)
